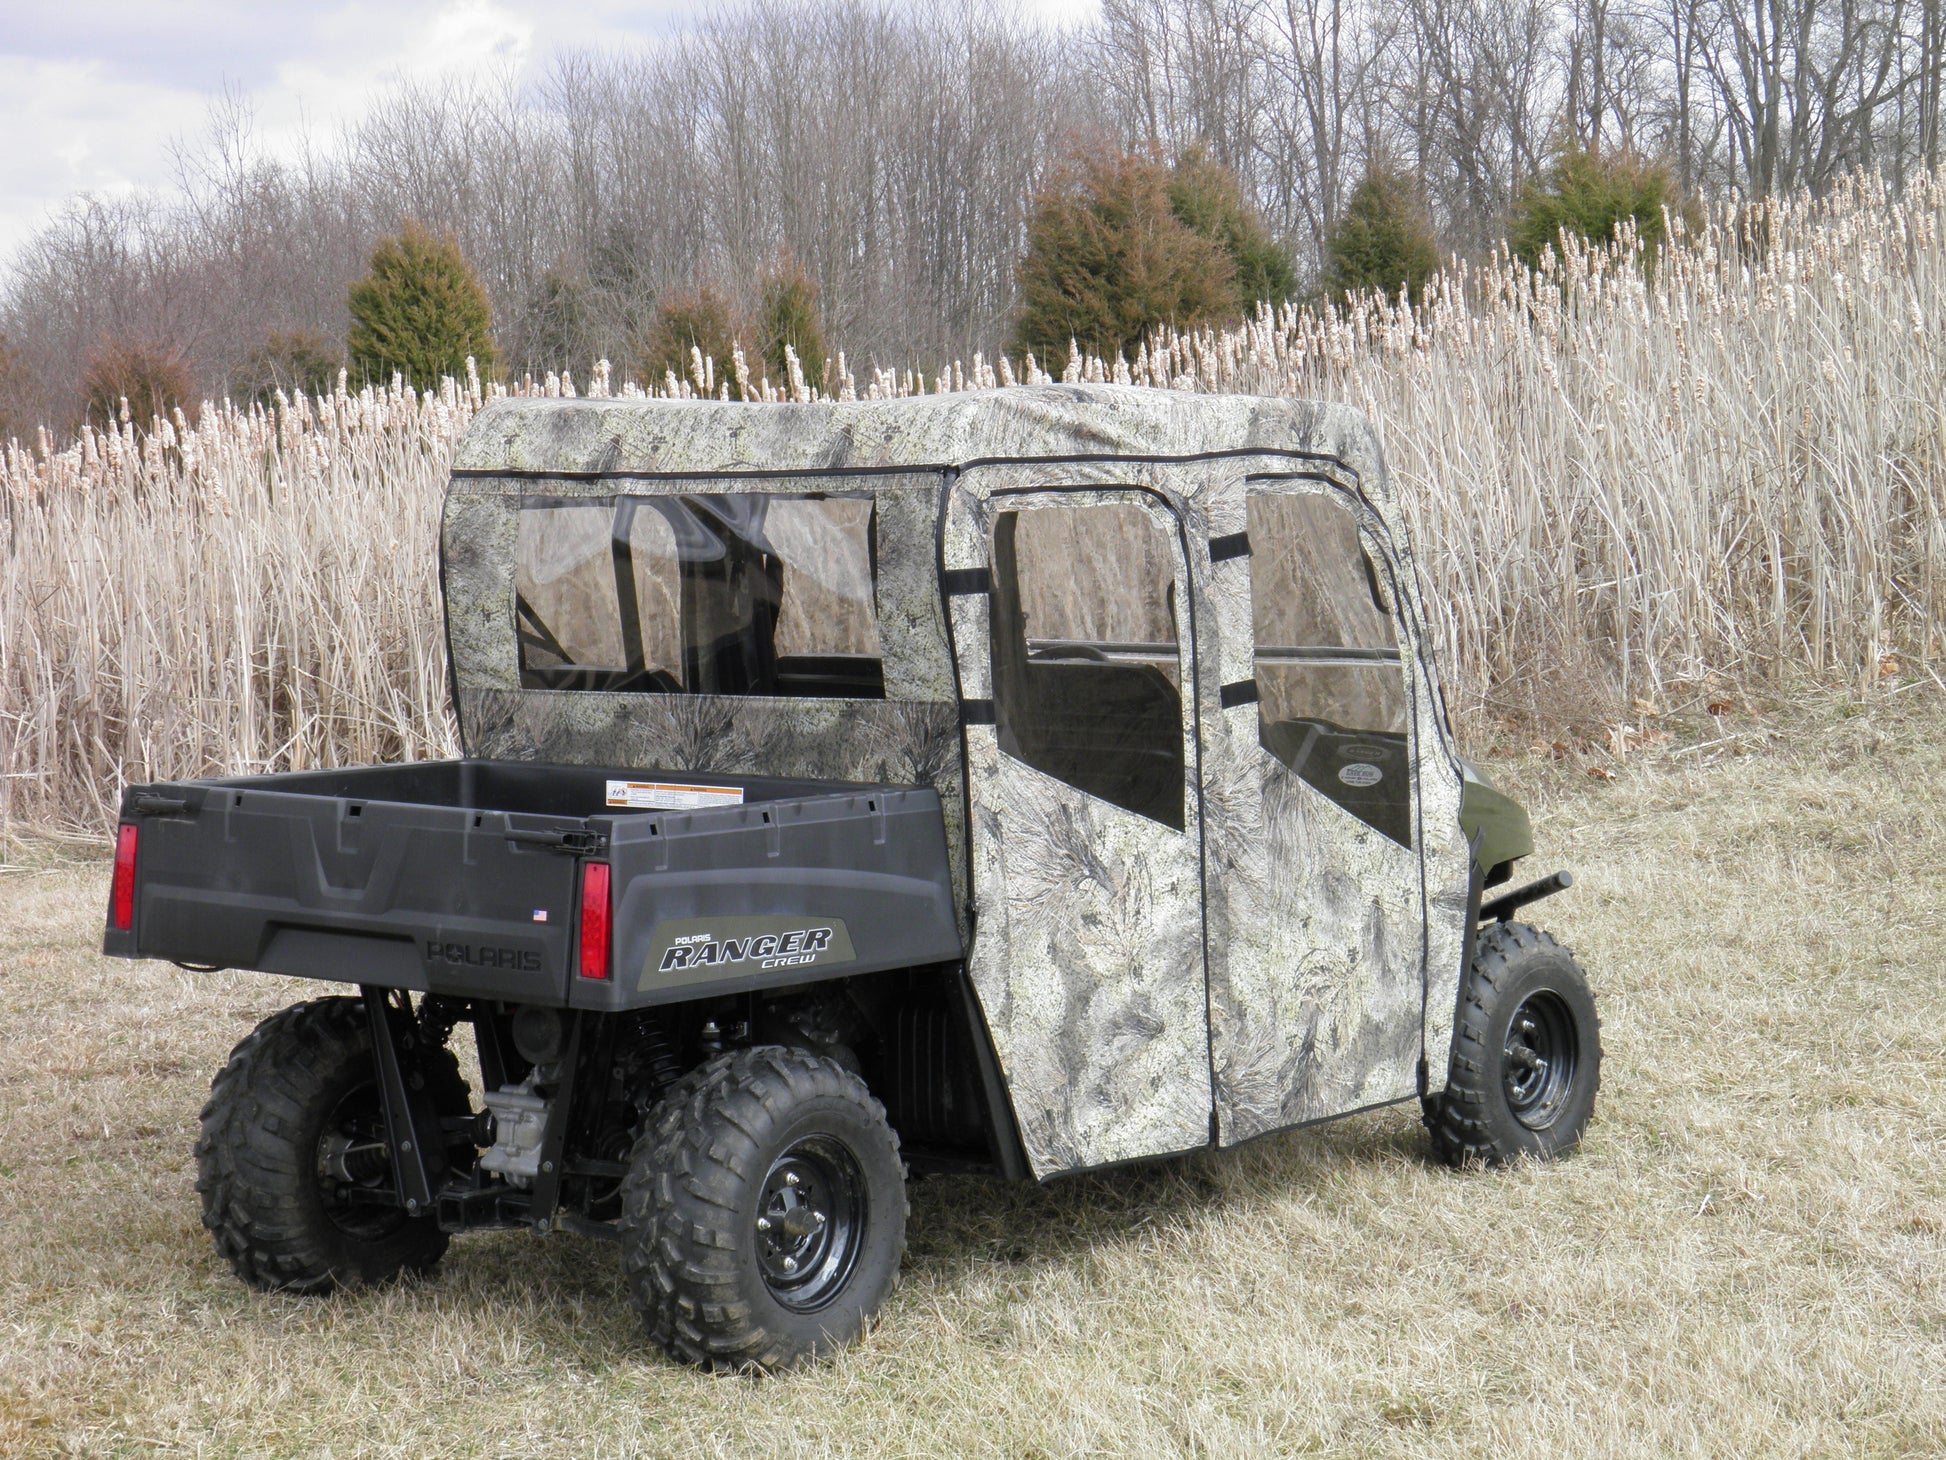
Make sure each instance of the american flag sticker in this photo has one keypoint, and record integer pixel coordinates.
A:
(540, 914)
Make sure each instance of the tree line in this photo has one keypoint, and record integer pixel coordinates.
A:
(883, 179)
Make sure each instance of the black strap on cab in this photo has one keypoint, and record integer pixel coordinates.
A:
(1232, 545)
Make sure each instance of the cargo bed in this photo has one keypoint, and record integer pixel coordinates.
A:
(468, 878)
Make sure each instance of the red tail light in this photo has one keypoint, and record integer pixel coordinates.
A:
(122, 897)
(595, 920)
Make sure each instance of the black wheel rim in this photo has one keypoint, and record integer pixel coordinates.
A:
(810, 1223)
(354, 1167)
(1541, 1058)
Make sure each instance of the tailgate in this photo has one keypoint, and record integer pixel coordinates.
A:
(443, 899)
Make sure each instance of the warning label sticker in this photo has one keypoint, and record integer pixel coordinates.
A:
(671, 796)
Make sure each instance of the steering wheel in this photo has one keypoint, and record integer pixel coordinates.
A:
(1087, 653)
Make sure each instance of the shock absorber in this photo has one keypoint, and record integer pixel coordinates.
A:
(661, 1060)
(651, 1062)
(437, 1017)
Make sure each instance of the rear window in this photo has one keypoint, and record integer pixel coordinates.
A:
(727, 594)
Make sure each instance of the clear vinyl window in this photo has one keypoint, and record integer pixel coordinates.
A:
(1331, 691)
(1087, 668)
(734, 594)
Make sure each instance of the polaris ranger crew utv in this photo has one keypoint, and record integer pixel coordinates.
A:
(1024, 781)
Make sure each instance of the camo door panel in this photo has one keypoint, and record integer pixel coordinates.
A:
(1317, 1002)
(1085, 822)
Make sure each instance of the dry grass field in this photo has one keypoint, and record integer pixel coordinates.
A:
(1748, 1256)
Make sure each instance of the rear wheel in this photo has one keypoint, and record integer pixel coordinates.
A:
(1526, 1061)
(763, 1217)
(292, 1162)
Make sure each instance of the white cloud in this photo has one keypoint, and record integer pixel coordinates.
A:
(62, 140)
(91, 97)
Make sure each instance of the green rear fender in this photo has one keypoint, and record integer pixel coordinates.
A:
(1493, 821)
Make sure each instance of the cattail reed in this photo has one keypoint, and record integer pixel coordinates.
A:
(1627, 479)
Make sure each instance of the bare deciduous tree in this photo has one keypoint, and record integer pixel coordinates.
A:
(892, 154)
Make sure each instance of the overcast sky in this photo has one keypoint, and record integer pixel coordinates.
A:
(92, 94)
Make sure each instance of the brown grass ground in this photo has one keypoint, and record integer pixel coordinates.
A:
(1746, 1257)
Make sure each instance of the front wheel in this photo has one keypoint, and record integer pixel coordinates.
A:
(1526, 1054)
(763, 1217)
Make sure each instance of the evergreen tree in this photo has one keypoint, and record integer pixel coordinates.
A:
(153, 379)
(1204, 196)
(556, 325)
(290, 361)
(1590, 195)
(420, 311)
(701, 320)
(1382, 241)
(16, 418)
(1108, 260)
(790, 317)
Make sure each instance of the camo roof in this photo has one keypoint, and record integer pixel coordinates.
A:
(609, 436)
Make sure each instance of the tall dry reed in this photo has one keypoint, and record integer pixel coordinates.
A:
(253, 593)
(1727, 469)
